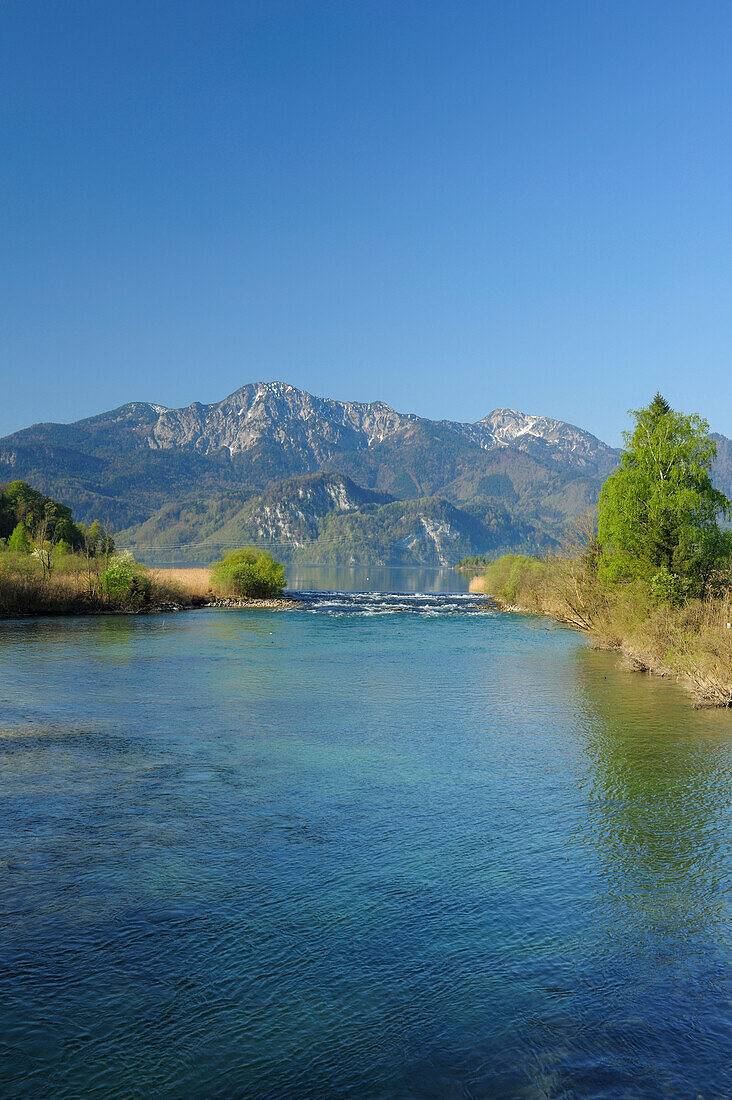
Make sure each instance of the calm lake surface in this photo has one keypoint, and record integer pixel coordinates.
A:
(377, 847)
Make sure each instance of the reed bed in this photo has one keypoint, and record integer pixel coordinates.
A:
(194, 581)
(75, 587)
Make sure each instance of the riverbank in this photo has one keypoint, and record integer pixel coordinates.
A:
(26, 593)
(55, 609)
(690, 642)
(281, 603)
(195, 582)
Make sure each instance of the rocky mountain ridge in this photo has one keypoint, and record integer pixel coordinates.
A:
(511, 477)
(280, 412)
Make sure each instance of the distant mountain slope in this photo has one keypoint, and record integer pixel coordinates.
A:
(195, 469)
(328, 518)
(289, 511)
(542, 437)
(134, 458)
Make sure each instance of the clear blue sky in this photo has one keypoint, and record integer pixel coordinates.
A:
(447, 206)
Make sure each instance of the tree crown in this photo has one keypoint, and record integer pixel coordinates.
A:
(659, 511)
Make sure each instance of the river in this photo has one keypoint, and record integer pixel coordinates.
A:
(381, 846)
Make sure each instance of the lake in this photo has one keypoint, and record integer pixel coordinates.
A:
(381, 846)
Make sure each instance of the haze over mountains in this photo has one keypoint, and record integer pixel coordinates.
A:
(324, 480)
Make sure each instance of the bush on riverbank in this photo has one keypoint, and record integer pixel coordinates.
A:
(250, 574)
(77, 585)
(50, 565)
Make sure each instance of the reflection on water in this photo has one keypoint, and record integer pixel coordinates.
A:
(659, 789)
(391, 846)
(658, 826)
(359, 578)
(374, 578)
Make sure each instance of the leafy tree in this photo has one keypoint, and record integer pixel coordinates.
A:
(91, 536)
(20, 503)
(19, 539)
(250, 573)
(658, 513)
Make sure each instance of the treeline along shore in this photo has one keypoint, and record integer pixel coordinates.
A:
(651, 575)
(50, 565)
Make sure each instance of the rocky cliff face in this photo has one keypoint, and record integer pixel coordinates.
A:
(279, 413)
(317, 429)
(560, 442)
(292, 512)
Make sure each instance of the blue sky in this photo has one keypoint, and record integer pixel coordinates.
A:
(447, 206)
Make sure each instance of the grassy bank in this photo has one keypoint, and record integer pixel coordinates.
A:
(195, 581)
(689, 641)
(51, 565)
(77, 586)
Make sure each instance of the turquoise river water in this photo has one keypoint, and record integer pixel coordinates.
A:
(379, 846)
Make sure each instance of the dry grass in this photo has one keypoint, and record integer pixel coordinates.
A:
(694, 643)
(76, 587)
(196, 582)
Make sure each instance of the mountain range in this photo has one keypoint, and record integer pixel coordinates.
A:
(318, 479)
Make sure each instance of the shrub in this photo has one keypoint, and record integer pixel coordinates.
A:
(517, 578)
(668, 587)
(250, 573)
(124, 580)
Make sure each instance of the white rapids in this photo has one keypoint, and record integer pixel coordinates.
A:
(395, 603)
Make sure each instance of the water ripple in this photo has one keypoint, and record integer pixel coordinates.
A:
(281, 855)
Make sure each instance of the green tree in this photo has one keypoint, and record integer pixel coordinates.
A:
(250, 573)
(20, 503)
(659, 512)
(19, 539)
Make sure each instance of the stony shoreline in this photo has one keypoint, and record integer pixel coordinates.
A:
(282, 603)
(194, 603)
